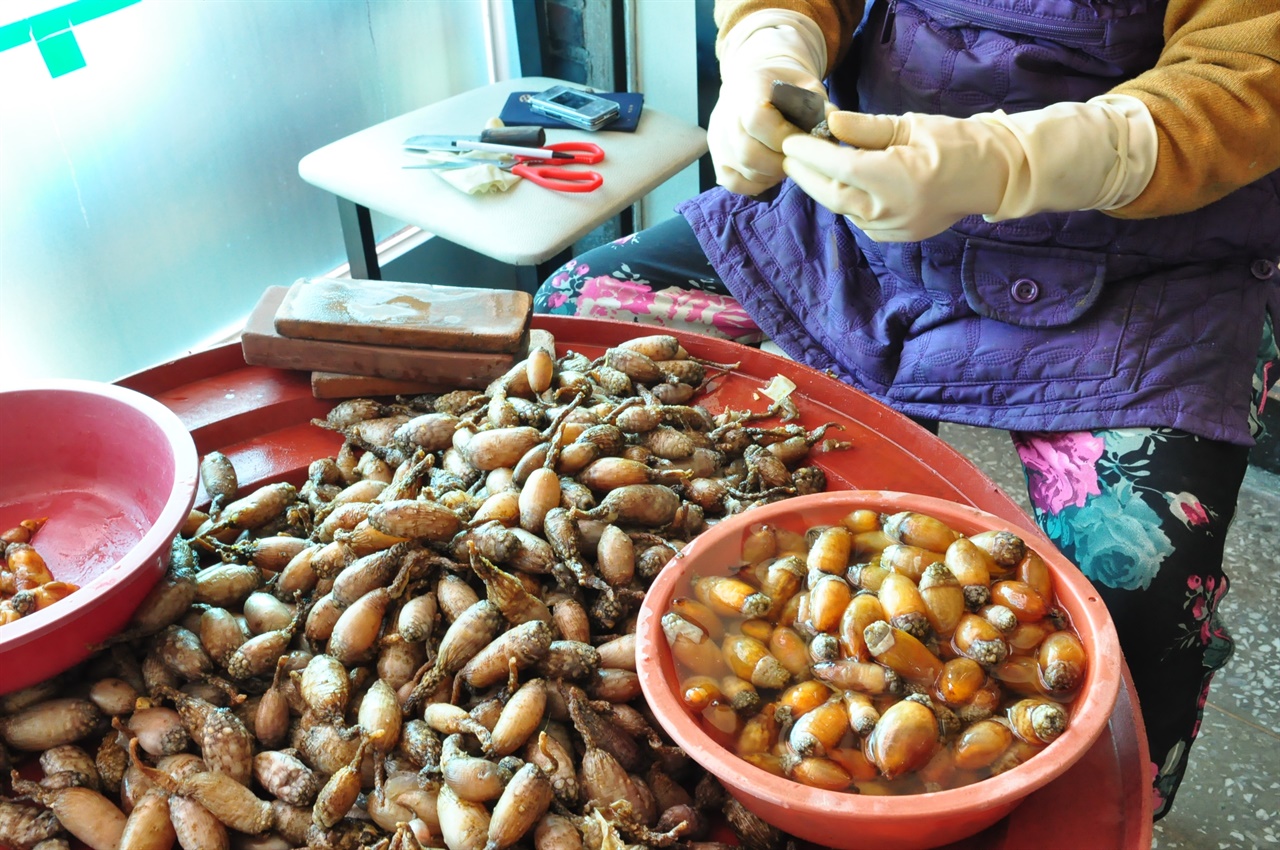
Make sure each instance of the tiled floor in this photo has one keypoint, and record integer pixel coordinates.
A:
(1230, 799)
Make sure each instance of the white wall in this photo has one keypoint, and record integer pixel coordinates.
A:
(667, 74)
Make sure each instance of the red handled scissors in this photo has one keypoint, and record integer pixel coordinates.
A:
(554, 174)
(548, 172)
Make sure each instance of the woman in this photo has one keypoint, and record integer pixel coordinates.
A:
(1034, 223)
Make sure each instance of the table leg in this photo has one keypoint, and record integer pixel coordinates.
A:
(357, 235)
(529, 278)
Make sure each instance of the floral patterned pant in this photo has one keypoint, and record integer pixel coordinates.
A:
(1143, 511)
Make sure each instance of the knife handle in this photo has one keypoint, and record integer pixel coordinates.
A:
(521, 137)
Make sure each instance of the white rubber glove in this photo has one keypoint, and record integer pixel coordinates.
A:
(912, 176)
(745, 133)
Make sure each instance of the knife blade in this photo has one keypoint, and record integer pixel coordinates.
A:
(806, 109)
(459, 162)
(455, 144)
(521, 137)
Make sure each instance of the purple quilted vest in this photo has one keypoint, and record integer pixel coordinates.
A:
(1063, 321)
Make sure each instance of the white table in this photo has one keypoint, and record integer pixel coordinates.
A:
(523, 226)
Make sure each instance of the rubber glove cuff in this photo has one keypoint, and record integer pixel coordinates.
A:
(773, 38)
(1096, 155)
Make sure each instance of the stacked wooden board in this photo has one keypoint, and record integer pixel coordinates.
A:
(369, 337)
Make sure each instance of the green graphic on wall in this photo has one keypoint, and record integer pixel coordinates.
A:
(52, 32)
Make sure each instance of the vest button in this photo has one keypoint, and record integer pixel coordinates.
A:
(1025, 290)
(1263, 269)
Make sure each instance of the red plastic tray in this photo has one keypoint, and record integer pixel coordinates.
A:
(259, 418)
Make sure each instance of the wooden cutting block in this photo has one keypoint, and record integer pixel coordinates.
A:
(407, 315)
(262, 346)
(337, 385)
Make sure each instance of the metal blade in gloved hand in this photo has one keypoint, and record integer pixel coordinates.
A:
(806, 109)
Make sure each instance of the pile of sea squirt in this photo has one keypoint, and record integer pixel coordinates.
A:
(428, 643)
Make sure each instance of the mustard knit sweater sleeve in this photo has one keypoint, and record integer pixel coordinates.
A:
(1214, 93)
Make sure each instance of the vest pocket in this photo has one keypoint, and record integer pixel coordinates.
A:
(1030, 286)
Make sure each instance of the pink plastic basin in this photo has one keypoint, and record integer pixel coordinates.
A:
(851, 821)
(115, 472)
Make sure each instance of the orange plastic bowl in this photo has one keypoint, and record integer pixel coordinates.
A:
(851, 821)
(115, 472)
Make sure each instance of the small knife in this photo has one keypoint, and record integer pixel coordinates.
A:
(803, 108)
(806, 109)
(453, 144)
(520, 137)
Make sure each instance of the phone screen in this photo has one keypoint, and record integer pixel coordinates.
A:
(573, 100)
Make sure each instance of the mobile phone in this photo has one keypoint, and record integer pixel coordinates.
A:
(806, 109)
(575, 107)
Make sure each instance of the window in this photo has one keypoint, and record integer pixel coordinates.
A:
(148, 158)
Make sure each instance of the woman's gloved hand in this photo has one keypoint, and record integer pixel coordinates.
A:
(909, 177)
(745, 132)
